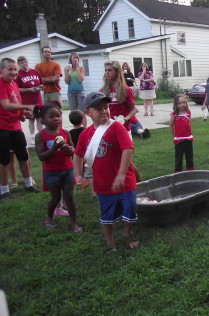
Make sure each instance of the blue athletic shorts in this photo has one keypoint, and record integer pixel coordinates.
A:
(58, 178)
(115, 207)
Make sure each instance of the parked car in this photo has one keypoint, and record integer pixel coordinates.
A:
(197, 93)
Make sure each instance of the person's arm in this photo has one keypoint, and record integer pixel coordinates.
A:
(133, 111)
(39, 146)
(78, 162)
(24, 90)
(66, 74)
(119, 180)
(80, 72)
(171, 125)
(7, 105)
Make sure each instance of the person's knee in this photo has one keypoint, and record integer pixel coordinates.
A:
(22, 154)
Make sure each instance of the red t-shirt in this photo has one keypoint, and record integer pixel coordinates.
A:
(108, 157)
(29, 79)
(60, 159)
(9, 119)
(182, 128)
(123, 108)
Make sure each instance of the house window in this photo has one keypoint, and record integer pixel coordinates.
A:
(175, 69)
(137, 64)
(182, 68)
(131, 31)
(189, 68)
(86, 66)
(115, 31)
(181, 38)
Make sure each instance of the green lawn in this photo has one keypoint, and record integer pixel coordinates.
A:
(47, 272)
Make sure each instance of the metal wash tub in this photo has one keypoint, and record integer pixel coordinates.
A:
(176, 194)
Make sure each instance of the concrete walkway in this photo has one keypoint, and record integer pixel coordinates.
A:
(162, 115)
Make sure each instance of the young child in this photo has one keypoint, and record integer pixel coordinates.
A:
(108, 149)
(76, 118)
(180, 128)
(57, 165)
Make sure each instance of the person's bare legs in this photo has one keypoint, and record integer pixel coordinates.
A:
(127, 232)
(12, 169)
(145, 107)
(151, 106)
(31, 126)
(108, 234)
(4, 174)
(84, 121)
(25, 168)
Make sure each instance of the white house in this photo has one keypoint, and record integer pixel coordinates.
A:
(172, 39)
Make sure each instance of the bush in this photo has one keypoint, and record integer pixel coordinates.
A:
(167, 89)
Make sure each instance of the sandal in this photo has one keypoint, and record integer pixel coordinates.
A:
(152, 114)
(111, 248)
(145, 114)
(131, 241)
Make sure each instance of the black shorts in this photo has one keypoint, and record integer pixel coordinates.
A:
(12, 140)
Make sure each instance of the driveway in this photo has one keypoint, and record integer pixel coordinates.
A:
(162, 115)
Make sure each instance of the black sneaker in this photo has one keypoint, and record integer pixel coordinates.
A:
(5, 195)
(33, 189)
(144, 135)
(147, 132)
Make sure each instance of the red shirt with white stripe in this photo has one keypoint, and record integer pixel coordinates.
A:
(182, 127)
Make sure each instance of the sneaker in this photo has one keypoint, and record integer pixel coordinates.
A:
(32, 142)
(60, 212)
(205, 119)
(33, 189)
(146, 130)
(5, 195)
(14, 185)
(144, 135)
(50, 222)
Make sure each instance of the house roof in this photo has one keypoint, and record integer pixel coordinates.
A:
(108, 47)
(155, 9)
(5, 46)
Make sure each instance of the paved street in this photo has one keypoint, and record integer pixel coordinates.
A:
(162, 115)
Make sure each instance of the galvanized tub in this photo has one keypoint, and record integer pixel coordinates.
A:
(177, 195)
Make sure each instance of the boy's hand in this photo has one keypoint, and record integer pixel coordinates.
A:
(118, 183)
(81, 182)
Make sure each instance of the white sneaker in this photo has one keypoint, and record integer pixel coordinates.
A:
(32, 141)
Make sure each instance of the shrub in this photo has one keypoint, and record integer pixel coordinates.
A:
(167, 89)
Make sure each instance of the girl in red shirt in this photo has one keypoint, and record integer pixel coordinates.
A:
(180, 128)
(54, 147)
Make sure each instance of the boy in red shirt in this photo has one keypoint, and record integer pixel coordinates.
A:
(108, 149)
(11, 134)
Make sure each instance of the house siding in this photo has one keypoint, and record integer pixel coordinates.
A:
(196, 50)
(121, 12)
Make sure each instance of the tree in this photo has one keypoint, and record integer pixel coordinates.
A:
(72, 18)
(200, 3)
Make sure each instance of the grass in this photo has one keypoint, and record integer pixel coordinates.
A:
(48, 272)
